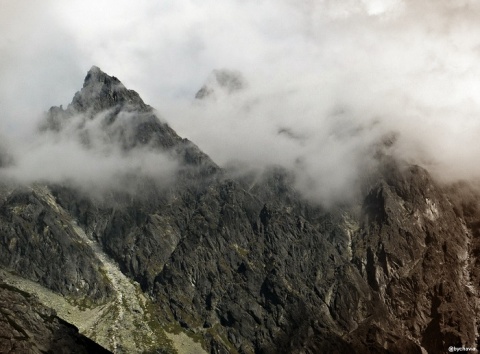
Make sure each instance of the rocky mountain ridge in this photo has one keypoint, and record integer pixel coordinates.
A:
(246, 264)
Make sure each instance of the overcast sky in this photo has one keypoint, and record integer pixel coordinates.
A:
(336, 75)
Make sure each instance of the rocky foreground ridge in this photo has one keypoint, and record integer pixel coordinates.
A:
(247, 265)
(26, 326)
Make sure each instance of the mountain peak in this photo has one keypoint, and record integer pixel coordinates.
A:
(125, 122)
(95, 69)
(95, 74)
(101, 91)
(225, 81)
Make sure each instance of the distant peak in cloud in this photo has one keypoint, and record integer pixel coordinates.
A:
(222, 81)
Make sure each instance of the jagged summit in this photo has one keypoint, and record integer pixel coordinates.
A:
(94, 71)
(105, 113)
(101, 91)
(95, 76)
(124, 118)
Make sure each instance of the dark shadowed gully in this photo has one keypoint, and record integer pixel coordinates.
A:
(239, 265)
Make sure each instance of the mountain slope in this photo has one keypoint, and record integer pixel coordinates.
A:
(39, 243)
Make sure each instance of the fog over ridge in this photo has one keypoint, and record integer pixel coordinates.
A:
(325, 81)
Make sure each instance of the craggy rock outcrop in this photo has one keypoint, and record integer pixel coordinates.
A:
(28, 327)
(252, 267)
(38, 242)
(415, 254)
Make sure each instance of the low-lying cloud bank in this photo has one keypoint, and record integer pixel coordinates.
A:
(324, 82)
(86, 155)
(362, 72)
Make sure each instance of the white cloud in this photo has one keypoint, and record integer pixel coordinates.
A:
(89, 157)
(337, 74)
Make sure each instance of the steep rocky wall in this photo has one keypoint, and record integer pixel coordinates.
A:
(414, 251)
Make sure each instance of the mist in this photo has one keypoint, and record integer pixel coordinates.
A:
(325, 83)
(85, 156)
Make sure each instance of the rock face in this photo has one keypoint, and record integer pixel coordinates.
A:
(247, 264)
(415, 254)
(28, 327)
(292, 277)
(38, 242)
